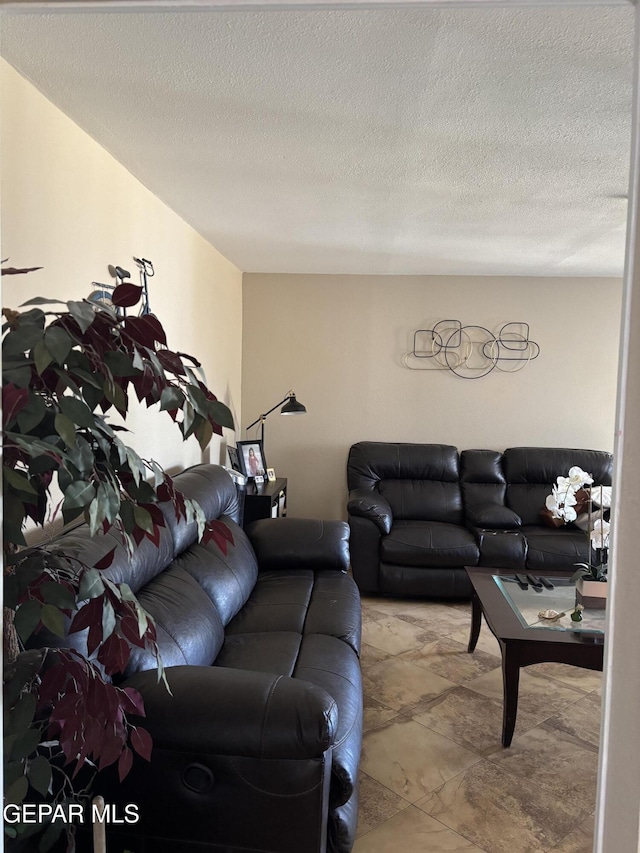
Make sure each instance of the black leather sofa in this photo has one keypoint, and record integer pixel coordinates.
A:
(257, 749)
(420, 513)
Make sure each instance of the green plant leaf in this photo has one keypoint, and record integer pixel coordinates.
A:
(18, 480)
(39, 774)
(33, 413)
(21, 716)
(108, 619)
(204, 432)
(83, 314)
(77, 411)
(110, 499)
(21, 339)
(18, 674)
(26, 743)
(171, 398)
(136, 464)
(53, 619)
(221, 414)
(115, 395)
(82, 456)
(41, 356)
(198, 400)
(27, 619)
(66, 429)
(58, 342)
(97, 514)
(91, 585)
(79, 494)
(59, 595)
(119, 363)
(20, 376)
(41, 300)
(143, 518)
(16, 792)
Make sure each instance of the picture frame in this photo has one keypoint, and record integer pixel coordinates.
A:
(271, 475)
(251, 458)
(234, 460)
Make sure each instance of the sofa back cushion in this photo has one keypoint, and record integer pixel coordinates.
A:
(227, 579)
(213, 489)
(420, 481)
(188, 627)
(530, 473)
(484, 490)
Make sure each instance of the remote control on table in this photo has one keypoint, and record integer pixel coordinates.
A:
(535, 583)
(522, 582)
(546, 583)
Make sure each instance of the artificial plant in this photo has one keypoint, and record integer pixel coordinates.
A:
(66, 366)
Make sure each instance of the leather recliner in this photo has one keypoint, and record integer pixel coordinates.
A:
(408, 534)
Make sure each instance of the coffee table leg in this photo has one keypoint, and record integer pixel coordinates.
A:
(511, 679)
(476, 620)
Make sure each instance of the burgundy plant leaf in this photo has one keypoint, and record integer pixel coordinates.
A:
(218, 532)
(145, 331)
(129, 630)
(127, 294)
(16, 271)
(142, 743)
(125, 762)
(171, 361)
(114, 654)
(13, 401)
(87, 615)
(111, 748)
(132, 701)
(106, 561)
(52, 684)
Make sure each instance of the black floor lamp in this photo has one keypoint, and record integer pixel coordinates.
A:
(291, 407)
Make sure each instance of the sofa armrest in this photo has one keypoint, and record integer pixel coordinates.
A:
(493, 517)
(373, 506)
(300, 543)
(225, 711)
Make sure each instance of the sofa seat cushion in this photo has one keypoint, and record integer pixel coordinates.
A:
(555, 548)
(269, 651)
(303, 602)
(429, 543)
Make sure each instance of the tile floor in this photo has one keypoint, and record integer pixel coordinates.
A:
(434, 776)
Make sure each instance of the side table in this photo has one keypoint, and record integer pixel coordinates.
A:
(265, 500)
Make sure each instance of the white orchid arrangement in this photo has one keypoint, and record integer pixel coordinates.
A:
(563, 503)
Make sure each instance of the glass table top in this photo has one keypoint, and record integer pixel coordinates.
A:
(527, 605)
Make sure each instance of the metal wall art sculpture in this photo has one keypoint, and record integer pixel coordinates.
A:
(471, 352)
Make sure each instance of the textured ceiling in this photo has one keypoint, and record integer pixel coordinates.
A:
(490, 141)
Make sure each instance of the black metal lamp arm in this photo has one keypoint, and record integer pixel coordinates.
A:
(261, 419)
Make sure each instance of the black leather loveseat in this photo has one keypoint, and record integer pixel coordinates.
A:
(420, 513)
(257, 749)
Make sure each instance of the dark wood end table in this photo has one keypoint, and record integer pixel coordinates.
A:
(523, 645)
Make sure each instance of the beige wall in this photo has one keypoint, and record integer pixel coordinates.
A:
(339, 341)
(69, 207)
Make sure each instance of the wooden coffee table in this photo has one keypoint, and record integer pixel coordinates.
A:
(509, 612)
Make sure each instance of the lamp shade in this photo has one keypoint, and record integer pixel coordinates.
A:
(293, 407)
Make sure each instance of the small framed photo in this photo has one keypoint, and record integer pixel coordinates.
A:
(251, 458)
(233, 458)
(271, 475)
